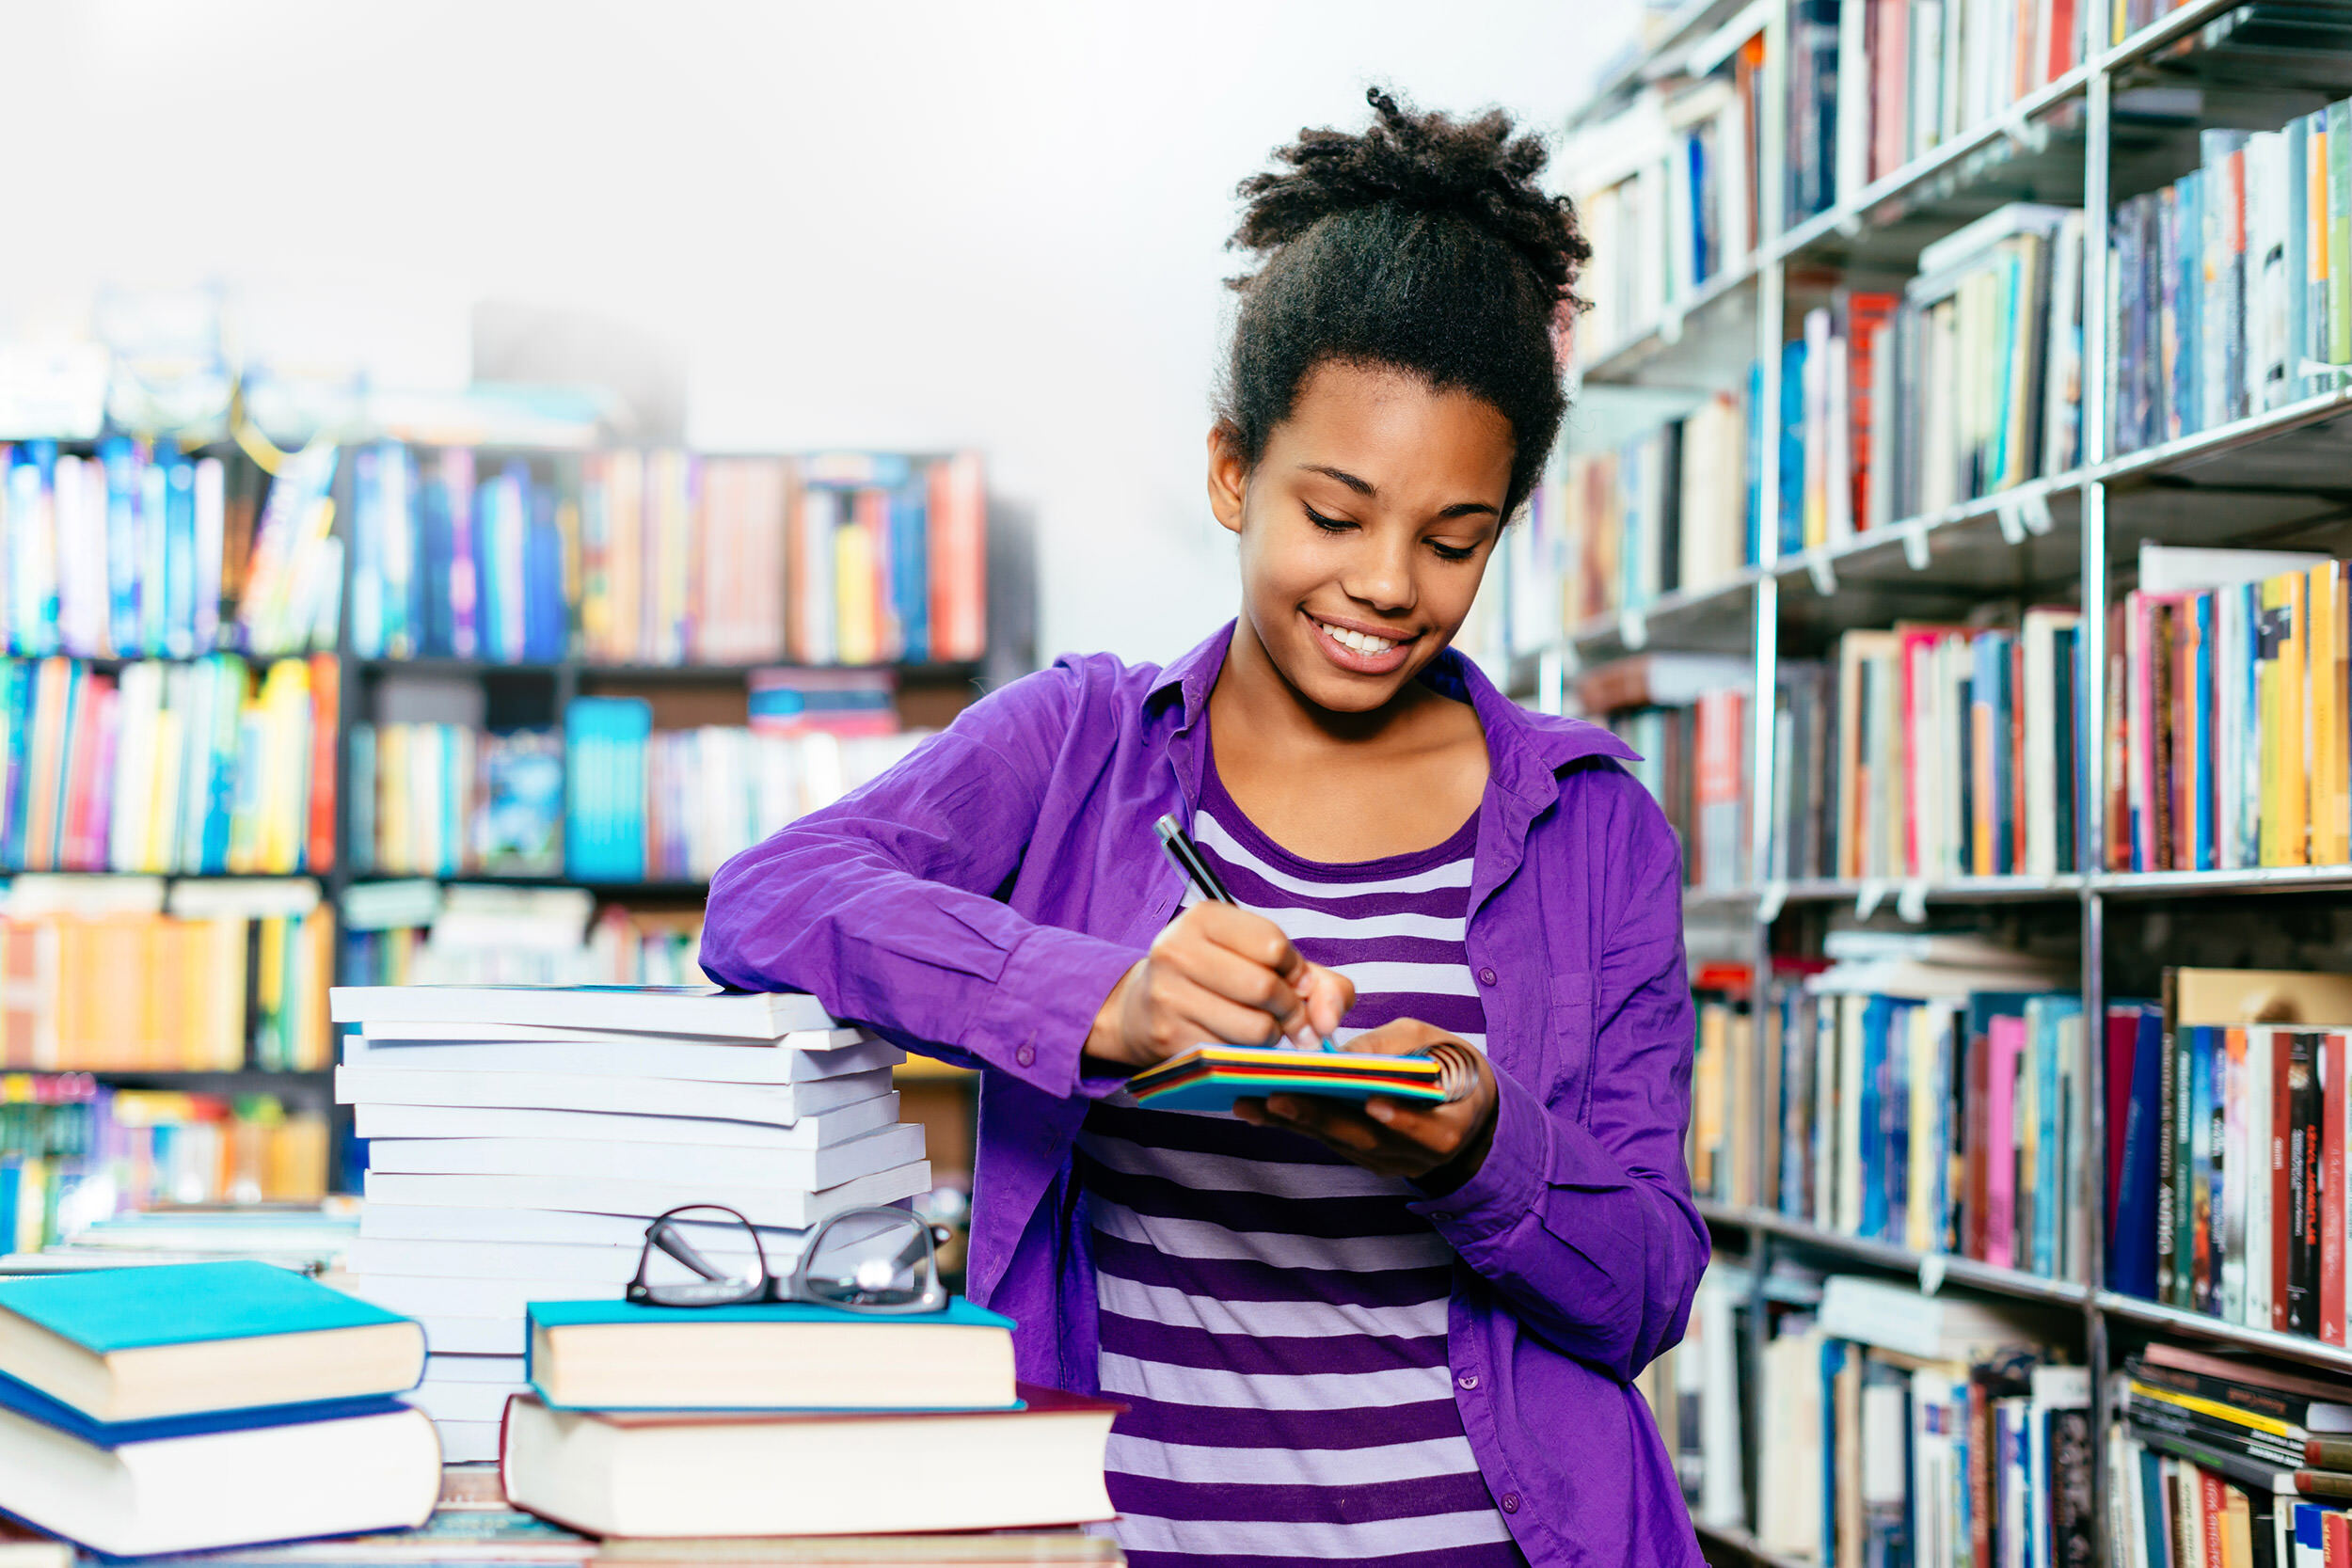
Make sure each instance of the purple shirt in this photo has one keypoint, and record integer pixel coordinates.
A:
(979, 901)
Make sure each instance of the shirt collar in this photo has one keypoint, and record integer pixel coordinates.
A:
(1525, 747)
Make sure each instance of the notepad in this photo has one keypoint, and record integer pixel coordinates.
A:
(1212, 1077)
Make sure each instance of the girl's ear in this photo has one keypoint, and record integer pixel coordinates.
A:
(1229, 477)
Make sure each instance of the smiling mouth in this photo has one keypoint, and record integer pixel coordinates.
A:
(1362, 644)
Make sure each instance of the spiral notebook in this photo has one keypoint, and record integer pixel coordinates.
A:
(1212, 1077)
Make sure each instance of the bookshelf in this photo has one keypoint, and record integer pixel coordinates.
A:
(707, 682)
(2121, 121)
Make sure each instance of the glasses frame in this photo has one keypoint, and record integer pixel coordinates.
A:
(664, 1234)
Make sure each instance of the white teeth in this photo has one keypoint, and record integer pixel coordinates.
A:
(1362, 643)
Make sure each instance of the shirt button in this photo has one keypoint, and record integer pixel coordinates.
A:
(1510, 1502)
(1488, 977)
(1469, 1380)
(1026, 1056)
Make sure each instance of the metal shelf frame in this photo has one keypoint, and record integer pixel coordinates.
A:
(2067, 532)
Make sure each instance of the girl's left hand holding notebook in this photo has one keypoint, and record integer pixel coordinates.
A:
(1436, 1147)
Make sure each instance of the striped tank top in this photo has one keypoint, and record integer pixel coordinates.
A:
(1273, 1316)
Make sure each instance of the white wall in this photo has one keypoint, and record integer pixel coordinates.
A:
(919, 224)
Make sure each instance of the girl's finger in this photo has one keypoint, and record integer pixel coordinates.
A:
(1195, 1009)
(1227, 973)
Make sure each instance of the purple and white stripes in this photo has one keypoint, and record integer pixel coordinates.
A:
(1274, 1317)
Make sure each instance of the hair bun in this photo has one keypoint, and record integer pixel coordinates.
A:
(1473, 169)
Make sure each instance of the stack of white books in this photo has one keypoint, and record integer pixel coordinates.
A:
(520, 1138)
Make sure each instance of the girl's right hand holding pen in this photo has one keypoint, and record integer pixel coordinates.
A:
(1217, 973)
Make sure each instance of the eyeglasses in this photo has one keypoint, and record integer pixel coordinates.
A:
(880, 1260)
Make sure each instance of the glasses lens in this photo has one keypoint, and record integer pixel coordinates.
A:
(870, 1258)
(701, 1257)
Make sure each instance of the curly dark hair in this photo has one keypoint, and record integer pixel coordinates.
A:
(1422, 244)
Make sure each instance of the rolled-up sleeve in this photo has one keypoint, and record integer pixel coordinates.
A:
(883, 904)
(1585, 1225)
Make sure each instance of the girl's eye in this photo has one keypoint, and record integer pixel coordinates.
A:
(1329, 524)
(1452, 552)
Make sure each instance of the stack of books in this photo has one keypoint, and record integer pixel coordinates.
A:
(649, 1422)
(178, 1407)
(520, 1138)
(2217, 1454)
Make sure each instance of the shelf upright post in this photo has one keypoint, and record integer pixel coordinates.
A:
(1764, 607)
(2090, 756)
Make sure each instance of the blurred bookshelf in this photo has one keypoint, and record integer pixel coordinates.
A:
(1950, 513)
(519, 700)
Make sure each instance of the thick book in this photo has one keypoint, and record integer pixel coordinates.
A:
(612, 1355)
(193, 1483)
(173, 1339)
(813, 1169)
(787, 1208)
(820, 1130)
(779, 1105)
(716, 1064)
(649, 1475)
(651, 1009)
(1212, 1077)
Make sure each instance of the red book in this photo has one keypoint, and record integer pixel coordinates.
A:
(2065, 37)
(2281, 1203)
(2213, 1503)
(2334, 1048)
(2336, 1539)
(958, 520)
(1865, 312)
(1890, 84)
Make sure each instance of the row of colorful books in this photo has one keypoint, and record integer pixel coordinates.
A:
(128, 982)
(1876, 84)
(1931, 751)
(1670, 199)
(666, 557)
(202, 768)
(1966, 382)
(131, 551)
(1928, 1091)
(2234, 280)
(427, 933)
(73, 1151)
(1676, 508)
(672, 805)
(2225, 1188)
(1687, 716)
(2230, 712)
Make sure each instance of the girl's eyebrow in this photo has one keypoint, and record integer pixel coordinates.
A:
(1365, 487)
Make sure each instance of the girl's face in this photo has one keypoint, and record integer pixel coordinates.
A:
(1365, 527)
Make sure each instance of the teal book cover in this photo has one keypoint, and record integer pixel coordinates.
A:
(178, 1303)
(959, 1313)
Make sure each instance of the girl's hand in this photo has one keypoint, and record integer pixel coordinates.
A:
(1436, 1147)
(1217, 973)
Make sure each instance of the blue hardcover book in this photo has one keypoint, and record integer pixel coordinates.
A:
(910, 569)
(1792, 447)
(121, 456)
(366, 537)
(604, 782)
(543, 570)
(200, 1338)
(2044, 1016)
(1834, 1354)
(490, 587)
(430, 615)
(1877, 1014)
(228, 673)
(2155, 1511)
(2202, 1195)
(179, 555)
(33, 579)
(1754, 546)
(614, 1354)
(2131, 1247)
(2066, 654)
(1894, 1122)
(16, 746)
(2189, 256)
(155, 557)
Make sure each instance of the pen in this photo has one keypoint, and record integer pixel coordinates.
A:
(1188, 859)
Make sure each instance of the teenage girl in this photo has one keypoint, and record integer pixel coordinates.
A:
(1389, 1334)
